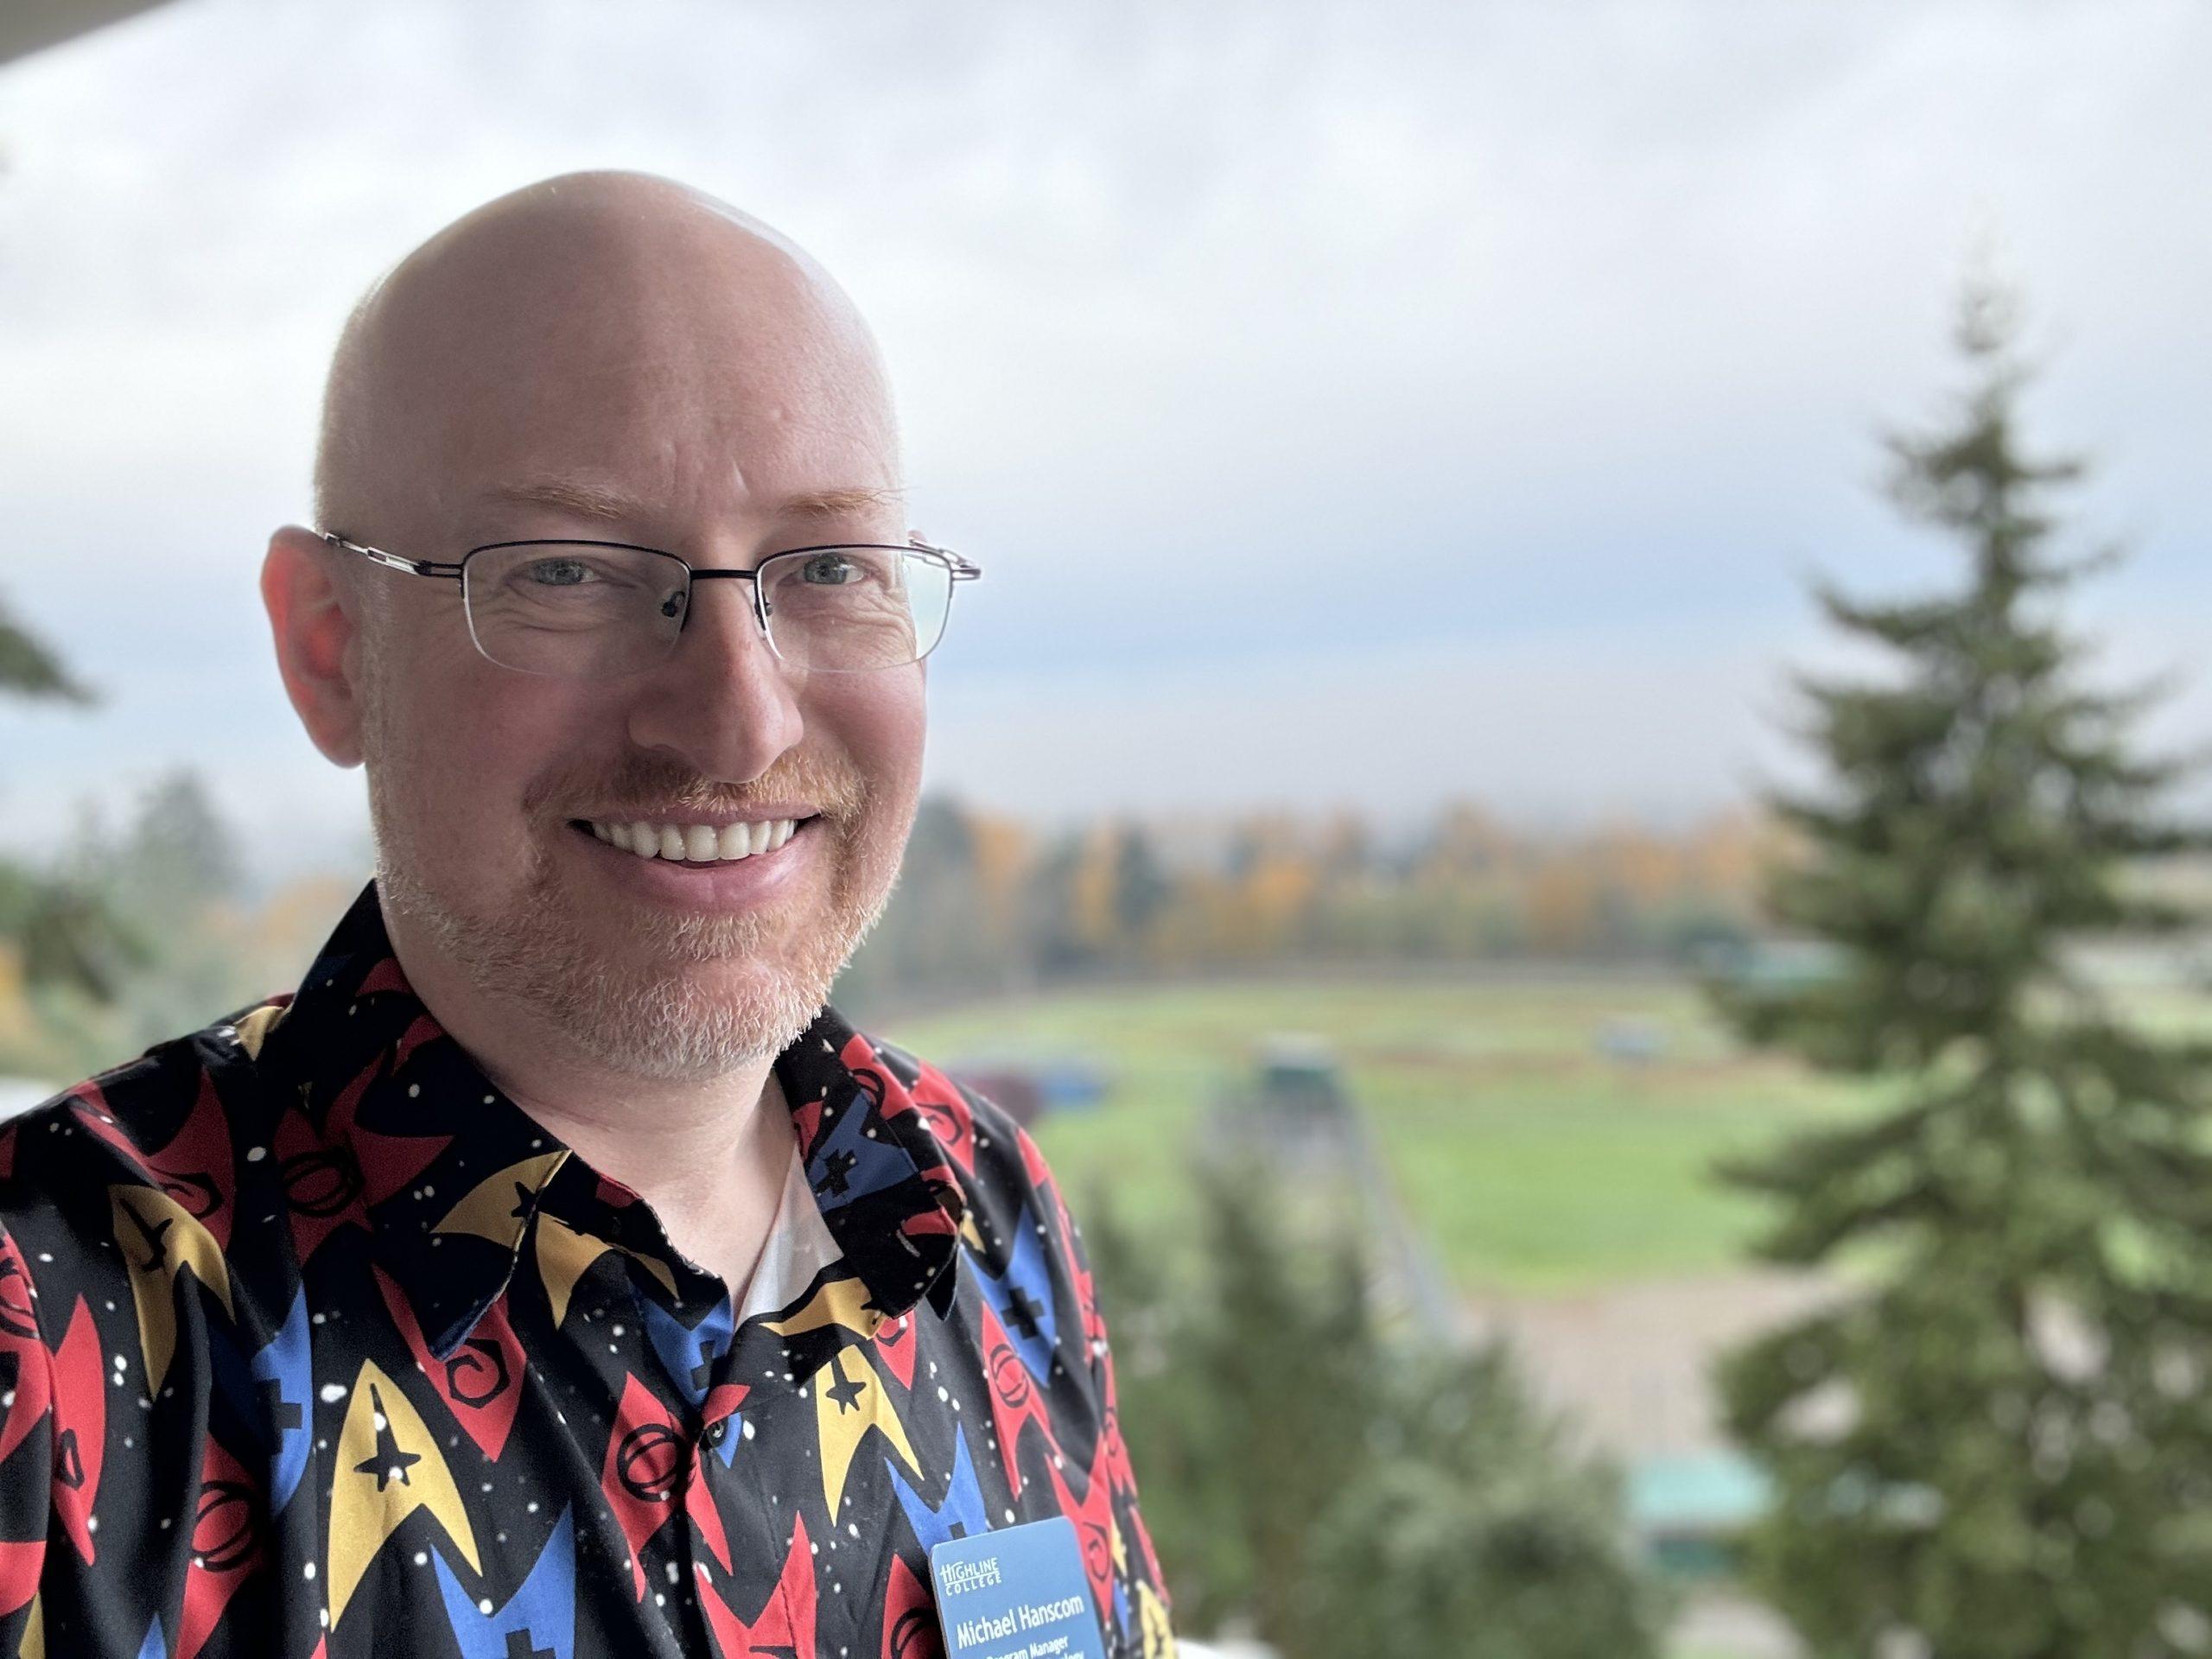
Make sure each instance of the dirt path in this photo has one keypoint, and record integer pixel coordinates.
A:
(1628, 1363)
(1626, 1366)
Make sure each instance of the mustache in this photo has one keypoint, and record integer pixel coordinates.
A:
(642, 784)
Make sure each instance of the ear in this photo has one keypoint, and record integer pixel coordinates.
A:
(318, 641)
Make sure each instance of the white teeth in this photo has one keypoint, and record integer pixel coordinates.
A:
(698, 843)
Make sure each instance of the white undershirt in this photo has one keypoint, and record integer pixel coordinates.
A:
(799, 1247)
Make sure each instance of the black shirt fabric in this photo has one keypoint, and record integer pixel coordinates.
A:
(314, 1345)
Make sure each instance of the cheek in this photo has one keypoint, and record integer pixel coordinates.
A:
(470, 738)
(882, 727)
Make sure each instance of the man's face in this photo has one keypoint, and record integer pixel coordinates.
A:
(720, 420)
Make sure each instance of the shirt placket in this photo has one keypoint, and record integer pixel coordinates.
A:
(579, 1198)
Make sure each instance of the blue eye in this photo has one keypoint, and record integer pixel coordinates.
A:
(830, 571)
(559, 572)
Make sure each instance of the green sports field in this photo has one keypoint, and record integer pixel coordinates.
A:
(1534, 1160)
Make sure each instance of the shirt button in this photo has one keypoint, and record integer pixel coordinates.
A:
(717, 1431)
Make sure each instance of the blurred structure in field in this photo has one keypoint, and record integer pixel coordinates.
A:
(1027, 1089)
(1297, 1118)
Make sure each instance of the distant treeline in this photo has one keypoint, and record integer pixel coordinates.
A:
(147, 928)
(985, 903)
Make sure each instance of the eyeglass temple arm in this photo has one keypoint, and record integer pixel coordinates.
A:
(393, 561)
(961, 570)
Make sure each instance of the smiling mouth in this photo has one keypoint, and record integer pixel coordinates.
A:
(696, 844)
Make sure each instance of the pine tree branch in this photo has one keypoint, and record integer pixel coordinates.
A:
(27, 669)
(1907, 625)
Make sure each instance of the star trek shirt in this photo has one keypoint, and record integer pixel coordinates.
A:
(314, 1345)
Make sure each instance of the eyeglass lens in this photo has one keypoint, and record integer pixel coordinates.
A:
(587, 612)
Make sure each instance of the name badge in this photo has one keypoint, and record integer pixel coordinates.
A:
(1019, 1593)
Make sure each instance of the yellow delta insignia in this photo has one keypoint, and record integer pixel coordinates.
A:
(498, 1207)
(1152, 1619)
(157, 1236)
(254, 1028)
(565, 1255)
(34, 1646)
(388, 1467)
(841, 1301)
(849, 1400)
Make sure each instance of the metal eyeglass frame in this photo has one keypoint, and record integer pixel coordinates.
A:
(961, 569)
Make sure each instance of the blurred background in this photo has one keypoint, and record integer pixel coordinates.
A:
(1369, 833)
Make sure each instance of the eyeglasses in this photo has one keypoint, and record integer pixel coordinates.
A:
(598, 610)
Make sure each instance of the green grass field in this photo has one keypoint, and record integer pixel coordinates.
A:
(1534, 1162)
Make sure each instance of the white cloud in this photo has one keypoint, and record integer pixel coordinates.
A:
(1541, 338)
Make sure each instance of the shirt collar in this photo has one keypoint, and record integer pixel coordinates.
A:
(399, 1131)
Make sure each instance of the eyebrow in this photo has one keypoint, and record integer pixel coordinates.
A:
(611, 506)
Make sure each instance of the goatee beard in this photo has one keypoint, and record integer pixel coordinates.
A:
(666, 1008)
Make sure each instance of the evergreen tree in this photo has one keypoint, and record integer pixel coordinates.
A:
(2000, 1447)
(1052, 909)
(1343, 1484)
(1246, 1389)
(1142, 887)
(62, 932)
(179, 855)
(1473, 1531)
(27, 669)
(170, 882)
(927, 947)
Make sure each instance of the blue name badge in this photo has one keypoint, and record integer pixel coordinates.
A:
(1019, 1593)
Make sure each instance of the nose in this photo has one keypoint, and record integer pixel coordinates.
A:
(723, 703)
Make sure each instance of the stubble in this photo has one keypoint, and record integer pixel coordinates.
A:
(684, 996)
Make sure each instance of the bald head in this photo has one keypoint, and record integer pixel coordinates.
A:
(599, 329)
(611, 358)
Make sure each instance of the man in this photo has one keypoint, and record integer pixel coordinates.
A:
(554, 1273)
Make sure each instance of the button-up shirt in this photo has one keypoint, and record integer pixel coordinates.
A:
(314, 1345)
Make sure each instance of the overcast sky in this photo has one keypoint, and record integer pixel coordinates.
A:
(1363, 403)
